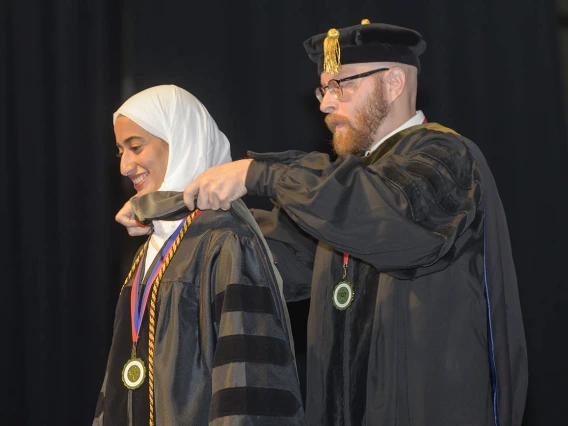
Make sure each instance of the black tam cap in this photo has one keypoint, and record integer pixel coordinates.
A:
(365, 43)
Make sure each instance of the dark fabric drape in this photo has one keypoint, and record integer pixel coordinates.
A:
(59, 83)
(491, 71)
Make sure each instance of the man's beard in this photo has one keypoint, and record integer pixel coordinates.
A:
(357, 135)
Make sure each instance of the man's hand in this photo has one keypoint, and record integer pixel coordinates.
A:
(125, 216)
(218, 186)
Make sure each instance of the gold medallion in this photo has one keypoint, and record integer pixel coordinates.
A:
(343, 295)
(133, 373)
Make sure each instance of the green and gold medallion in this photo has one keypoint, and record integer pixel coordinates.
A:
(133, 373)
(343, 295)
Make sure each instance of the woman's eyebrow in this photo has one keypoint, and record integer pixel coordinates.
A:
(131, 139)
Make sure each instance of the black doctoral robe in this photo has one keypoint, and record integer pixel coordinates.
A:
(425, 229)
(223, 350)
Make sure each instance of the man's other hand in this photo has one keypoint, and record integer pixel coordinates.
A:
(217, 187)
(125, 216)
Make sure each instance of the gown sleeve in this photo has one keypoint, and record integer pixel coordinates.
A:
(404, 211)
(254, 378)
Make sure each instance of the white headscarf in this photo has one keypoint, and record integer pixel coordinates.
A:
(176, 116)
(195, 142)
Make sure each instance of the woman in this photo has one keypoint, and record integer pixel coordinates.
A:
(201, 333)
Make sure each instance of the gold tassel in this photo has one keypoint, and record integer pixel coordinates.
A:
(365, 22)
(331, 53)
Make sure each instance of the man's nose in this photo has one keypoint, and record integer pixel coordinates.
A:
(328, 103)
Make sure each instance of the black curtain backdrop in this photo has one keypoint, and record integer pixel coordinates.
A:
(491, 71)
(59, 84)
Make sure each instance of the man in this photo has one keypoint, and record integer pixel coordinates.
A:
(415, 316)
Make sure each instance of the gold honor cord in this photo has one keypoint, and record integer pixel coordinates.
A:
(153, 298)
(134, 265)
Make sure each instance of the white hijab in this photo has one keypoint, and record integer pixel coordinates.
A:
(195, 142)
(176, 116)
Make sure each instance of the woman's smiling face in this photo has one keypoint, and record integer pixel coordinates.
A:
(143, 156)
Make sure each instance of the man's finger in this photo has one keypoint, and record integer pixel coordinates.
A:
(214, 201)
(125, 212)
(189, 194)
(226, 205)
(203, 201)
(136, 231)
(124, 219)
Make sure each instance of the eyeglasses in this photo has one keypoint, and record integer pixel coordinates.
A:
(334, 86)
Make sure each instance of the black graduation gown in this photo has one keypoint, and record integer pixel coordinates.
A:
(223, 350)
(426, 233)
